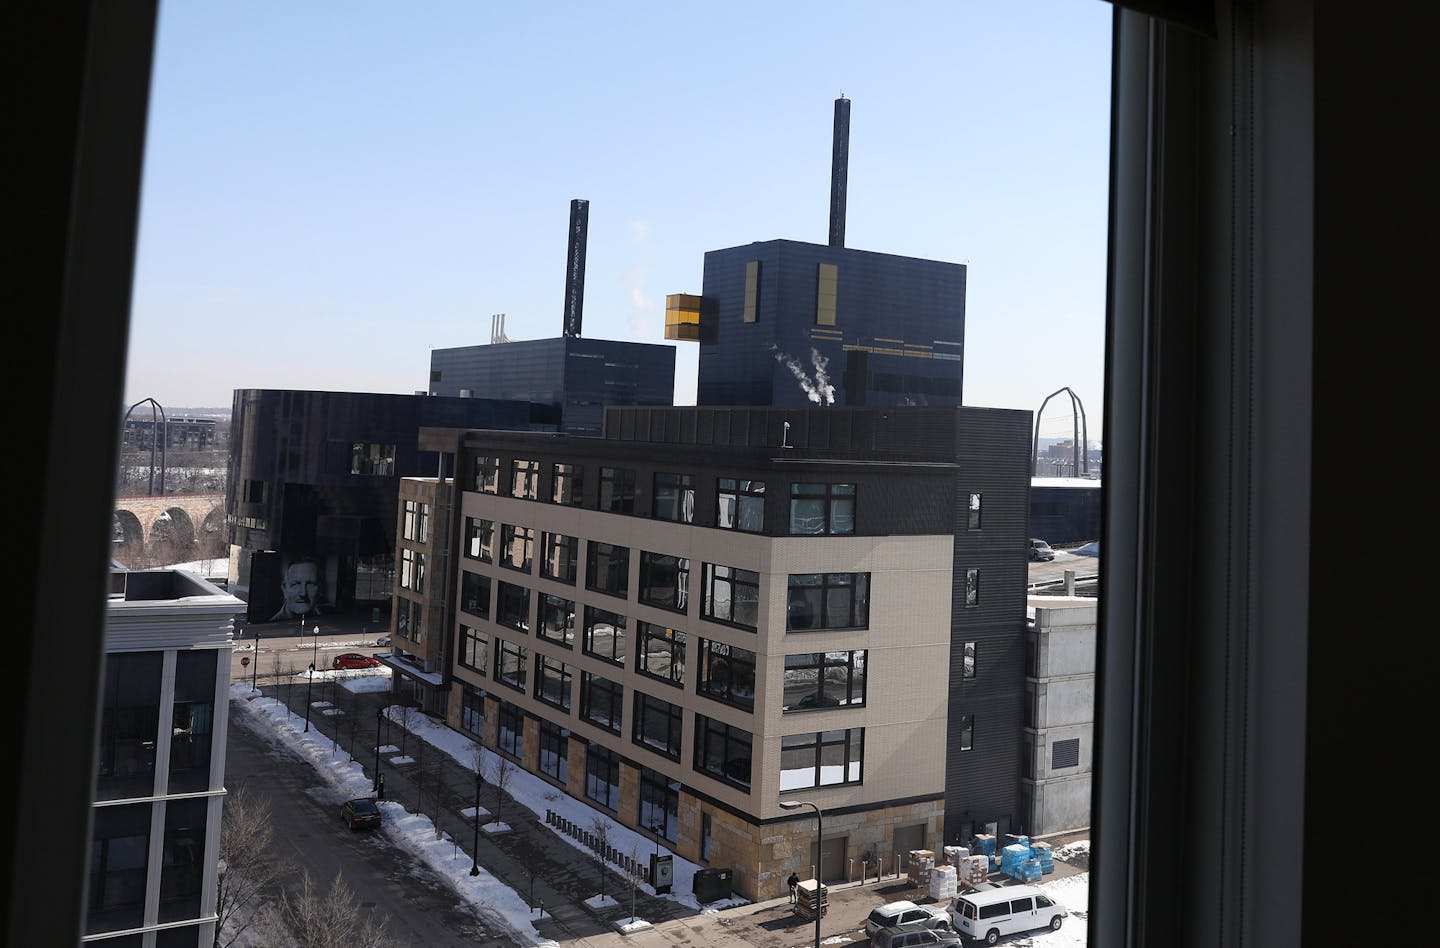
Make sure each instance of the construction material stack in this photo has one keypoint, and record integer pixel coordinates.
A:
(810, 898)
(1042, 853)
(953, 855)
(921, 862)
(972, 870)
(985, 845)
(1011, 858)
(944, 882)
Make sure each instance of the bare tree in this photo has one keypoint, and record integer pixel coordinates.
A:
(600, 829)
(405, 712)
(249, 867)
(501, 772)
(307, 918)
(441, 790)
(632, 875)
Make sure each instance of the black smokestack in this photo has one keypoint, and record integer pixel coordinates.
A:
(575, 266)
(839, 168)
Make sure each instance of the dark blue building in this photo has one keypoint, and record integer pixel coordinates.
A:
(580, 376)
(787, 323)
(315, 476)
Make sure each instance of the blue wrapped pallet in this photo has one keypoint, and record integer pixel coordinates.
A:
(1013, 856)
(1030, 870)
(1041, 853)
(984, 844)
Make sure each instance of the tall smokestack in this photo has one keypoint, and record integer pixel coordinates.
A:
(839, 168)
(575, 266)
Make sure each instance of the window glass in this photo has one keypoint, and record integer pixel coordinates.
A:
(511, 664)
(192, 720)
(525, 479)
(559, 557)
(657, 725)
(824, 680)
(552, 682)
(602, 776)
(665, 581)
(607, 568)
(601, 701)
(517, 547)
(828, 601)
(732, 595)
(475, 594)
(617, 490)
(485, 475)
(474, 648)
(479, 539)
(740, 505)
(554, 756)
(1021, 905)
(510, 730)
(557, 620)
(822, 508)
(129, 722)
(659, 804)
(182, 866)
(675, 497)
(512, 607)
(722, 751)
(605, 634)
(727, 673)
(661, 653)
(568, 484)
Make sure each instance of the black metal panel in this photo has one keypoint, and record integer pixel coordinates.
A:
(839, 171)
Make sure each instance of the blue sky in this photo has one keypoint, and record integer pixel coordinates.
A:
(333, 189)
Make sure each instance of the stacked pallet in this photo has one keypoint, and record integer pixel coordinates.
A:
(1042, 853)
(921, 862)
(1012, 857)
(972, 870)
(944, 882)
(953, 855)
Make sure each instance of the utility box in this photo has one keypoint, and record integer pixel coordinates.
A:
(662, 873)
(712, 885)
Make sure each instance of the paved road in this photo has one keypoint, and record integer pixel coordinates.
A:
(417, 906)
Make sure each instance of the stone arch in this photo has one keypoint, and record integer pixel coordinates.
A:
(128, 537)
(172, 536)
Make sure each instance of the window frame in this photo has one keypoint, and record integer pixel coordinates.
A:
(510, 535)
(709, 648)
(519, 657)
(818, 742)
(612, 693)
(670, 744)
(479, 540)
(562, 672)
(472, 641)
(520, 623)
(567, 487)
(525, 478)
(619, 638)
(683, 486)
(709, 601)
(831, 497)
(740, 489)
(850, 665)
(485, 474)
(704, 736)
(593, 554)
(567, 640)
(551, 543)
(859, 600)
(617, 490)
(674, 638)
(469, 578)
(679, 588)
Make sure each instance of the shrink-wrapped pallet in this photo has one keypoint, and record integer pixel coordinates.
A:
(953, 855)
(921, 862)
(943, 882)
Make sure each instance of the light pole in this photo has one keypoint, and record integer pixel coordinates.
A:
(819, 855)
(475, 849)
(375, 783)
(310, 685)
(255, 672)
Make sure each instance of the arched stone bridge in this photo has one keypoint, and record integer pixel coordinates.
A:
(180, 525)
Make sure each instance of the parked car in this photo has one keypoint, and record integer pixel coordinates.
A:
(985, 916)
(893, 914)
(383, 641)
(914, 933)
(1040, 551)
(352, 660)
(361, 813)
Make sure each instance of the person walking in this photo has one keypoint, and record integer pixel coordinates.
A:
(794, 883)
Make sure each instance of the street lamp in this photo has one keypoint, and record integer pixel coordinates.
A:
(310, 685)
(375, 782)
(475, 849)
(255, 672)
(819, 855)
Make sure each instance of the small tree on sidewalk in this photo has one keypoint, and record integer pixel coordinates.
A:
(600, 829)
(501, 773)
(632, 874)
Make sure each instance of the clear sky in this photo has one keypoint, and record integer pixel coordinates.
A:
(333, 189)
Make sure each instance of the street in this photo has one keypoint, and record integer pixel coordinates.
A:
(417, 906)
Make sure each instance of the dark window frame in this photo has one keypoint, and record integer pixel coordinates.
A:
(602, 770)
(512, 534)
(617, 490)
(548, 602)
(619, 585)
(737, 580)
(608, 696)
(619, 638)
(512, 664)
(470, 587)
(479, 539)
(855, 616)
(546, 668)
(726, 692)
(678, 588)
(659, 804)
(743, 492)
(524, 479)
(567, 483)
(667, 744)
(673, 494)
(551, 543)
(817, 742)
(506, 616)
(831, 497)
(485, 474)
(510, 717)
(856, 674)
(470, 643)
(675, 641)
(554, 744)
(708, 731)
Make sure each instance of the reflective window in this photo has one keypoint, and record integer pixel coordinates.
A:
(510, 664)
(665, 581)
(512, 607)
(525, 479)
(727, 673)
(517, 547)
(474, 648)
(605, 634)
(740, 505)
(732, 595)
(659, 804)
(558, 560)
(828, 601)
(601, 701)
(617, 489)
(661, 653)
(568, 484)
(822, 508)
(554, 751)
(479, 539)
(557, 620)
(675, 497)
(824, 680)
(607, 568)
(656, 725)
(824, 758)
(552, 682)
(602, 776)
(722, 751)
(475, 594)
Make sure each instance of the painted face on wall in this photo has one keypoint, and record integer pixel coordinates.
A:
(301, 588)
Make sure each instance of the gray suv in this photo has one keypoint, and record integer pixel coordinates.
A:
(915, 933)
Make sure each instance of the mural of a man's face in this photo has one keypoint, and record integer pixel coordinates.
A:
(301, 588)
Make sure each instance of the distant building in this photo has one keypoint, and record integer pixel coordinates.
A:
(420, 633)
(160, 781)
(1058, 753)
(579, 376)
(314, 480)
(787, 323)
(1065, 510)
(709, 611)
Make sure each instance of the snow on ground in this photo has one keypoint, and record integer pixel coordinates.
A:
(536, 795)
(601, 901)
(631, 925)
(368, 684)
(413, 833)
(1073, 892)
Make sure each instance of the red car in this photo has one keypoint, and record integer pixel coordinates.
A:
(355, 660)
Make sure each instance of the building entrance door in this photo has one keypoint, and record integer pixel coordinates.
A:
(832, 861)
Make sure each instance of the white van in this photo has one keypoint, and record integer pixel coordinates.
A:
(988, 914)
